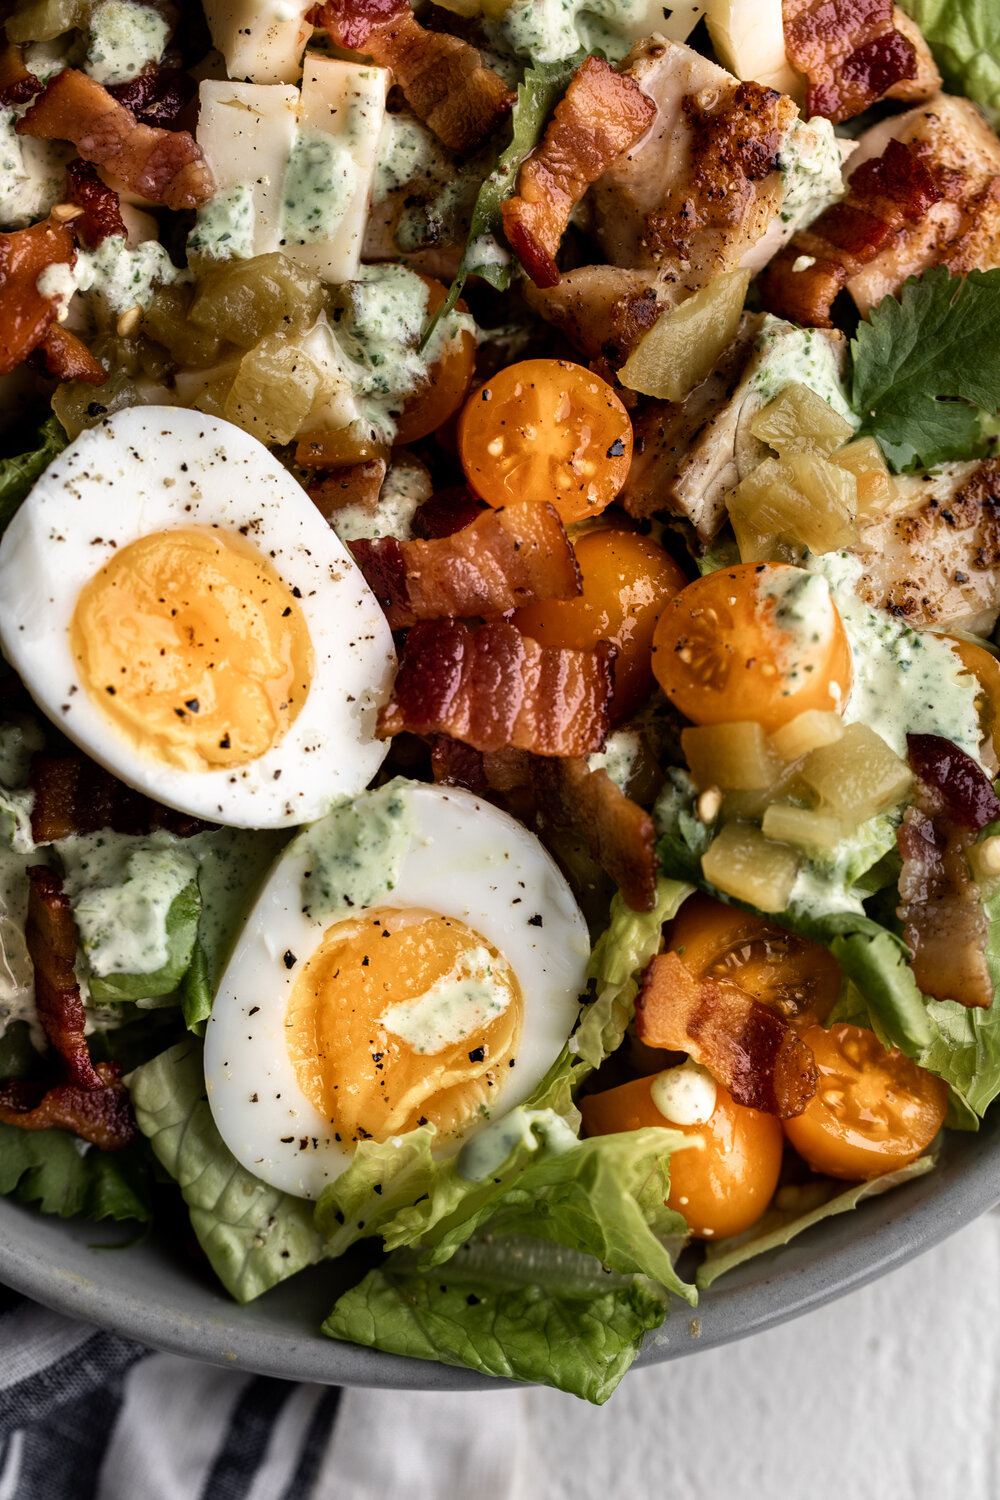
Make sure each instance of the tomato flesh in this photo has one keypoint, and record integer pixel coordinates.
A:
(627, 579)
(759, 642)
(720, 1188)
(546, 429)
(449, 378)
(873, 1111)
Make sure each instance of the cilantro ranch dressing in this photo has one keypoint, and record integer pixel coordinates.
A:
(685, 1095)
(320, 181)
(800, 606)
(123, 40)
(17, 978)
(484, 1153)
(406, 486)
(121, 889)
(225, 226)
(463, 1003)
(356, 853)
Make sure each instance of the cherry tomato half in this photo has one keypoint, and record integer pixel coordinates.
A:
(759, 641)
(720, 1188)
(449, 378)
(627, 579)
(546, 429)
(873, 1111)
(986, 669)
(795, 976)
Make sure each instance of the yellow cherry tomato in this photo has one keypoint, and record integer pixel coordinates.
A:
(546, 429)
(448, 378)
(721, 1187)
(626, 580)
(873, 1110)
(759, 641)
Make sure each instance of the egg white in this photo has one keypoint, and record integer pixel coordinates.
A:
(463, 859)
(151, 469)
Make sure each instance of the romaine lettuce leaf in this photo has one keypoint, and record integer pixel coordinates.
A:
(791, 1214)
(964, 36)
(520, 1308)
(49, 1168)
(254, 1235)
(17, 475)
(181, 924)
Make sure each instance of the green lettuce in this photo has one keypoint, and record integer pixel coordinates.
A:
(795, 1210)
(524, 1309)
(964, 36)
(181, 925)
(17, 475)
(253, 1235)
(48, 1168)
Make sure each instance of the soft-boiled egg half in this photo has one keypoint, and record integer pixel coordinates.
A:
(175, 602)
(415, 957)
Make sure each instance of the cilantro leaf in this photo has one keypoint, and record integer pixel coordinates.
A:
(63, 1176)
(485, 252)
(964, 36)
(926, 364)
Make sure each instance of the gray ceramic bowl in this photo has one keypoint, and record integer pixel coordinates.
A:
(151, 1293)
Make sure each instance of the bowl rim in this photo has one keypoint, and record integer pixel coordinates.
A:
(825, 1262)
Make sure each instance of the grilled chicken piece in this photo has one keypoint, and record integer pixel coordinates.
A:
(933, 558)
(689, 454)
(700, 190)
(603, 310)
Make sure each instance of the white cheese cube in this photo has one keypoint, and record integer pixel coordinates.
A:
(247, 131)
(331, 170)
(262, 43)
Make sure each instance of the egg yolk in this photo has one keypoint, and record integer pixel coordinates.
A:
(194, 647)
(400, 1018)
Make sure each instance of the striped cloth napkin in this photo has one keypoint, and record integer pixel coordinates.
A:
(85, 1415)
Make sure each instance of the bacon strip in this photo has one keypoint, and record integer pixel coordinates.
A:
(602, 114)
(92, 1101)
(156, 98)
(507, 557)
(101, 217)
(850, 52)
(447, 511)
(885, 194)
(619, 834)
(25, 315)
(17, 85)
(74, 795)
(944, 923)
(65, 357)
(354, 484)
(746, 1046)
(165, 166)
(444, 79)
(493, 688)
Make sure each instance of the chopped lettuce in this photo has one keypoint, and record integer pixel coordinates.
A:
(964, 36)
(796, 1209)
(17, 475)
(254, 1235)
(63, 1175)
(181, 925)
(521, 1308)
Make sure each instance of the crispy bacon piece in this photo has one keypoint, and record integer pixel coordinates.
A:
(355, 484)
(447, 511)
(444, 79)
(65, 357)
(102, 215)
(101, 1115)
(747, 1047)
(165, 166)
(506, 558)
(493, 688)
(156, 98)
(74, 795)
(17, 85)
(619, 833)
(25, 315)
(851, 53)
(602, 114)
(50, 935)
(944, 923)
(885, 195)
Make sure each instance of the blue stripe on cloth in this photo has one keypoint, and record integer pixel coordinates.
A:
(314, 1446)
(96, 1364)
(59, 1456)
(247, 1439)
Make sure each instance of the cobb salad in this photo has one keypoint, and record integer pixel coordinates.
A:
(500, 709)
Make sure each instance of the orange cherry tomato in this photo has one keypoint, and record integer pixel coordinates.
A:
(627, 579)
(873, 1110)
(986, 669)
(546, 429)
(721, 1188)
(449, 378)
(759, 641)
(795, 976)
